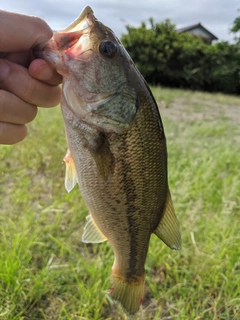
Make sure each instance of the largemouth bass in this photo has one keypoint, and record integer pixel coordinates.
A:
(116, 150)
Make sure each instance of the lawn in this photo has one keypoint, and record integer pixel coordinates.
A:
(46, 272)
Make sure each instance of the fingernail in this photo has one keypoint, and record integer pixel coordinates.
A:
(4, 69)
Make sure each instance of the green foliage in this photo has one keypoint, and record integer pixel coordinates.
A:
(225, 75)
(182, 60)
(236, 25)
(236, 28)
(46, 272)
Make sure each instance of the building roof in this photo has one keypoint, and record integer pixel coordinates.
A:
(199, 26)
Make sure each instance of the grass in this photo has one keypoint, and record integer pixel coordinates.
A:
(46, 272)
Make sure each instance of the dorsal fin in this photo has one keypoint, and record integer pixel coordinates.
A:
(91, 233)
(168, 229)
(71, 173)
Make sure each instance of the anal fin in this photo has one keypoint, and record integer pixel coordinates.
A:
(91, 233)
(168, 229)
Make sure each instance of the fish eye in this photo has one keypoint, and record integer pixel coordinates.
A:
(108, 48)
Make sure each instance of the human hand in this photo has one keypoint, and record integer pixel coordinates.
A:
(25, 83)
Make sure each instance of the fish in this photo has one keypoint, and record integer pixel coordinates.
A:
(117, 150)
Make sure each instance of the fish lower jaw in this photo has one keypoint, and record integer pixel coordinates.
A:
(57, 61)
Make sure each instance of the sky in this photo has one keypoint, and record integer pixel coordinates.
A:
(215, 15)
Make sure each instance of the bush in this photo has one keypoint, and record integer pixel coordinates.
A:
(174, 59)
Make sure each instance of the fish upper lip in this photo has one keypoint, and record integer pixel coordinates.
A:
(74, 26)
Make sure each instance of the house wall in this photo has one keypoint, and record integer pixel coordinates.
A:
(200, 33)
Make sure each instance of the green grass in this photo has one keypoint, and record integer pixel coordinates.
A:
(46, 272)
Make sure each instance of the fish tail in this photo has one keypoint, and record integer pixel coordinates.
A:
(128, 291)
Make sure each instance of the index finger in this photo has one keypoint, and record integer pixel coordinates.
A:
(19, 32)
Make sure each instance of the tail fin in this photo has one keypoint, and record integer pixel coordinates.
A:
(128, 291)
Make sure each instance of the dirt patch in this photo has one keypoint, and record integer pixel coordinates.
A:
(197, 109)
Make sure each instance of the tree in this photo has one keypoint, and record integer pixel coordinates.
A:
(236, 28)
(182, 60)
(165, 56)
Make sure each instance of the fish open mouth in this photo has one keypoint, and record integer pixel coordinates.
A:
(75, 33)
(69, 36)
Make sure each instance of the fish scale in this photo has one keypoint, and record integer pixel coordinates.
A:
(116, 150)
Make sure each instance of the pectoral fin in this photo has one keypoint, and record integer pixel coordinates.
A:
(103, 156)
(168, 228)
(91, 232)
(71, 173)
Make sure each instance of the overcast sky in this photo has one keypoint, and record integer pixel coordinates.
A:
(215, 15)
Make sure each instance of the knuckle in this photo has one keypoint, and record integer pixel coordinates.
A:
(31, 114)
(52, 98)
(29, 89)
(21, 135)
(15, 110)
(57, 96)
(42, 29)
(10, 133)
(3, 104)
(2, 132)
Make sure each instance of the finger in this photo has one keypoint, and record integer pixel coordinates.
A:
(29, 32)
(16, 79)
(22, 57)
(12, 133)
(14, 110)
(41, 70)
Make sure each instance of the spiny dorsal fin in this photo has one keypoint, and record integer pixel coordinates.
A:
(91, 232)
(168, 228)
(71, 173)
